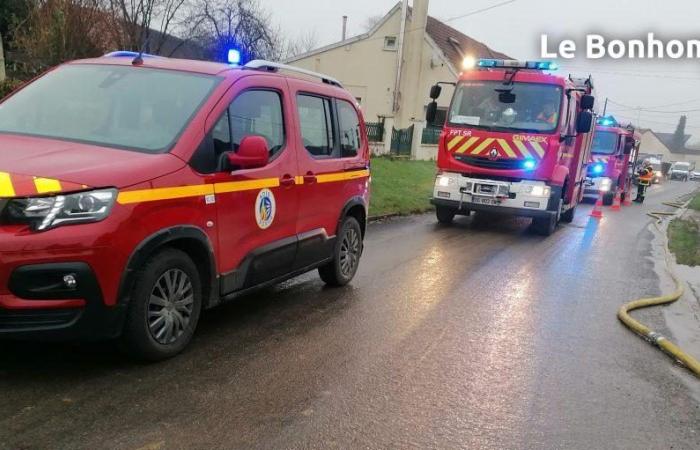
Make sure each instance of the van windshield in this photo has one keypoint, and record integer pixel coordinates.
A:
(124, 107)
(518, 107)
(605, 142)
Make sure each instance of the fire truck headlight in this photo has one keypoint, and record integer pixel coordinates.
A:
(442, 181)
(540, 191)
(657, 173)
(605, 185)
(44, 213)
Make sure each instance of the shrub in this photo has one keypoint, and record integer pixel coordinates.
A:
(8, 85)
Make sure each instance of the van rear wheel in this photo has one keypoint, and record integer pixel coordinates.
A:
(346, 255)
(164, 307)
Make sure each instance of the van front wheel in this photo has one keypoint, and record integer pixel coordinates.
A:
(164, 307)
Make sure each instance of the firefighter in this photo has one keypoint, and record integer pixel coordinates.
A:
(645, 175)
(548, 113)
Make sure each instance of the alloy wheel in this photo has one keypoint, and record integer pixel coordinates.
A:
(349, 252)
(170, 306)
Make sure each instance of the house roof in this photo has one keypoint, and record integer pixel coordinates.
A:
(453, 43)
(667, 140)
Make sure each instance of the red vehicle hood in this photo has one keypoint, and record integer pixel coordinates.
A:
(31, 166)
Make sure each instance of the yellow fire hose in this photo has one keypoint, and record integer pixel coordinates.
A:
(645, 332)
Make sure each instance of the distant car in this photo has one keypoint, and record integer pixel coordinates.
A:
(680, 171)
(695, 176)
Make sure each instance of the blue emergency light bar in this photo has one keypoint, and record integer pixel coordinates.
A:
(598, 168)
(515, 64)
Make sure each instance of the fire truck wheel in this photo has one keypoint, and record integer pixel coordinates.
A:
(164, 307)
(346, 255)
(444, 214)
(608, 199)
(544, 226)
(568, 216)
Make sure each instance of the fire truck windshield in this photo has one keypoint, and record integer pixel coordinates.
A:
(530, 107)
(605, 142)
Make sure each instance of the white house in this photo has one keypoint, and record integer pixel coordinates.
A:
(390, 68)
(654, 143)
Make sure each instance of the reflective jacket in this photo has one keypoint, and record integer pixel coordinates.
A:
(646, 175)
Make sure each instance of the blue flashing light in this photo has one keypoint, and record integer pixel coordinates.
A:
(487, 63)
(607, 121)
(234, 56)
(598, 169)
(529, 164)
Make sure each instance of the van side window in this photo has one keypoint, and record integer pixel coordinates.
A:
(349, 125)
(258, 113)
(316, 122)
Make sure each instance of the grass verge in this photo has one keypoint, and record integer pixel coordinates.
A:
(695, 203)
(684, 241)
(401, 186)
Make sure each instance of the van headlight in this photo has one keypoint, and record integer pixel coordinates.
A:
(44, 213)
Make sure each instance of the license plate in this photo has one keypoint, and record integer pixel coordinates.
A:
(485, 201)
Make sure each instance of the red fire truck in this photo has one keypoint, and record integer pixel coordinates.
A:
(613, 153)
(516, 140)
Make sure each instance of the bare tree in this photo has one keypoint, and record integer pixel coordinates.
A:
(371, 21)
(302, 44)
(143, 24)
(58, 30)
(242, 24)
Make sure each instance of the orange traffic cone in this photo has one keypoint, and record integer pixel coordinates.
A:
(616, 202)
(598, 208)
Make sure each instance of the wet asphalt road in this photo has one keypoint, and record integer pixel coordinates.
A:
(479, 335)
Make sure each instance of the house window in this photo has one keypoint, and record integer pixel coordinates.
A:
(390, 43)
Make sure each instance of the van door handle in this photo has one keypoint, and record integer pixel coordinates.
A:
(310, 178)
(287, 180)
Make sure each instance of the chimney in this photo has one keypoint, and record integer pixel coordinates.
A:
(345, 26)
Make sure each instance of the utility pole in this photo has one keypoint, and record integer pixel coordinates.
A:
(605, 107)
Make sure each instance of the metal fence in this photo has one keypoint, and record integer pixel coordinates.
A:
(375, 131)
(431, 135)
(401, 141)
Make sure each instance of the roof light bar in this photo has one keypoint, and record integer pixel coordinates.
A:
(128, 54)
(607, 121)
(515, 64)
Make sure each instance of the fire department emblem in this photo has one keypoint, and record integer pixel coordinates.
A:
(265, 208)
(493, 154)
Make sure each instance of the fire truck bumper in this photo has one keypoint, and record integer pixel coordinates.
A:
(527, 198)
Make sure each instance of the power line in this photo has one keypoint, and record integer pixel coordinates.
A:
(653, 111)
(478, 11)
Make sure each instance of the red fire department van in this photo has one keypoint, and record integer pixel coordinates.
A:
(612, 157)
(516, 140)
(136, 191)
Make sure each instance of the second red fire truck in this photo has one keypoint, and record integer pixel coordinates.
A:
(516, 140)
(614, 148)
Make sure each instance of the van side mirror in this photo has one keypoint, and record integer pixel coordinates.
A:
(584, 122)
(252, 153)
(431, 112)
(587, 101)
(435, 91)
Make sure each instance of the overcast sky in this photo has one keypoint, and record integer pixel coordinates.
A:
(515, 29)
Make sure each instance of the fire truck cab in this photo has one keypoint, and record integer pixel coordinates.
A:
(614, 149)
(516, 140)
